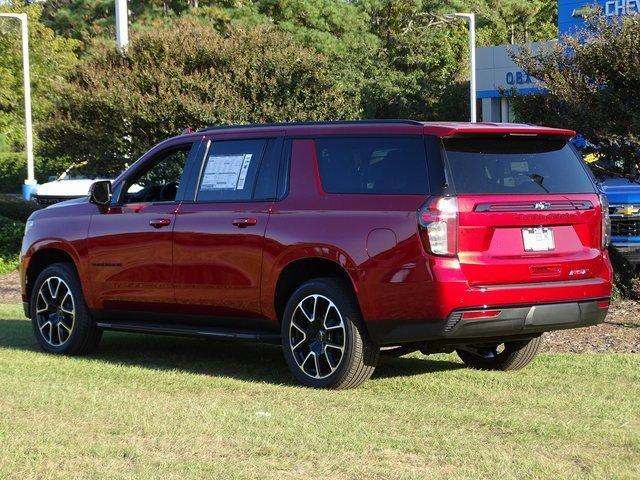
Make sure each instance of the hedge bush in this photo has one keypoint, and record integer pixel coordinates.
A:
(11, 232)
(626, 281)
(186, 74)
(15, 208)
(13, 171)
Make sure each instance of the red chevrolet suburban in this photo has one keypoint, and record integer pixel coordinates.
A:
(341, 240)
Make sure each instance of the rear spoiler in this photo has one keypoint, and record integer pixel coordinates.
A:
(496, 129)
(541, 134)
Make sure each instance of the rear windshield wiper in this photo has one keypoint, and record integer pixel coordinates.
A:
(538, 179)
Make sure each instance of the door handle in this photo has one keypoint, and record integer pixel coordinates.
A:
(244, 222)
(160, 222)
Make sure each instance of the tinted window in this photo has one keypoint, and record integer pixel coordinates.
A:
(283, 174)
(489, 165)
(267, 183)
(373, 165)
(230, 170)
(159, 179)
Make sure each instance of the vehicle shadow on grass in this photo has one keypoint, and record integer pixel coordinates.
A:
(243, 361)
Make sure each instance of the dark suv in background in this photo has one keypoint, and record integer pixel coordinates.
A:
(339, 240)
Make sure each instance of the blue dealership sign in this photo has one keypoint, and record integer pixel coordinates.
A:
(571, 12)
(517, 78)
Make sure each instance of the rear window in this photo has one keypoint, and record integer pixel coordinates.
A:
(396, 165)
(490, 165)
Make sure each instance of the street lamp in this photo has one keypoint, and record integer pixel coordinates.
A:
(30, 182)
(471, 18)
(122, 26)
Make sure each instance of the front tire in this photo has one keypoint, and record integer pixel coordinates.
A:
(506, 356)
(60, 318)
(324, 340)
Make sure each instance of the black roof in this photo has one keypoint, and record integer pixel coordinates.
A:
(304, 124)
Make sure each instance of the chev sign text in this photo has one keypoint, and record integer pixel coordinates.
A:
(621, 7)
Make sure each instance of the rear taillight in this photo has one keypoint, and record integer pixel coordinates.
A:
(606, 221)
(438, 224)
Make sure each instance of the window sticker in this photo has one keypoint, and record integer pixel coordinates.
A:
(226, 172)
(243, 171)
(522, 167)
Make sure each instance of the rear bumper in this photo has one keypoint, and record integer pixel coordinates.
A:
(518, 321)
(531, 319)
(423, 313)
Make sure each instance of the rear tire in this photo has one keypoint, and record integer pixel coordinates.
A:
(516, 355)
(324, 340)
(60, 318)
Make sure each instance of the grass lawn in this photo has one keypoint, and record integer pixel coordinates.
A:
(162, 407)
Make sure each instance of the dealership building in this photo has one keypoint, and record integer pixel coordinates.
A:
(496, 73)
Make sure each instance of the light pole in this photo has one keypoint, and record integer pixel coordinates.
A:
(30, 182)
(122, 25)
(471, 18)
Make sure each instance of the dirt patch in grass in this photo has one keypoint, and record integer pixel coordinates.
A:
(619, 334)
(10, 288)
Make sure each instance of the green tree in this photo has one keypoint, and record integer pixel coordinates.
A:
(421, 57)
(513, 21)
(85, 19)
(51, 58)
(591, 81)
(186, 75)
(398, 58)
(339, 30)
(79, 19)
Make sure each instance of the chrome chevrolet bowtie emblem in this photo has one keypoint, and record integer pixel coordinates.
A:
(542, 205)
(628, 210)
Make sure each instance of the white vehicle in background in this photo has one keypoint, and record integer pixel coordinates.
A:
(73, 183)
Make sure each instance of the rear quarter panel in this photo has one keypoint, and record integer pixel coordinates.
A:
(373, 237)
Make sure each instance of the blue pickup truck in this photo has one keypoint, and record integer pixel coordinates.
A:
(624, 209)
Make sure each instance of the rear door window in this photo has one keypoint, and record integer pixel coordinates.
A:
(515, 166)
(373, 165)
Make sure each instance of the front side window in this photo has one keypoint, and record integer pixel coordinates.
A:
(230, 170)
(368, 165)
(515, 166)
(159, 180)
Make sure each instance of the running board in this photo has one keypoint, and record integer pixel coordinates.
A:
(191, 331)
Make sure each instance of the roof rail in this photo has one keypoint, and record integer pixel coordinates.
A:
(302, 124)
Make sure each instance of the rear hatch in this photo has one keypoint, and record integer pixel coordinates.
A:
(528, 210)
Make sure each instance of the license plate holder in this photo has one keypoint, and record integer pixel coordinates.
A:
(538, 239)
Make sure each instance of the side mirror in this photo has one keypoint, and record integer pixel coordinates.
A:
(100, 193)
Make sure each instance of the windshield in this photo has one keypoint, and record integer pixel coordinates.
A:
(515, 166)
